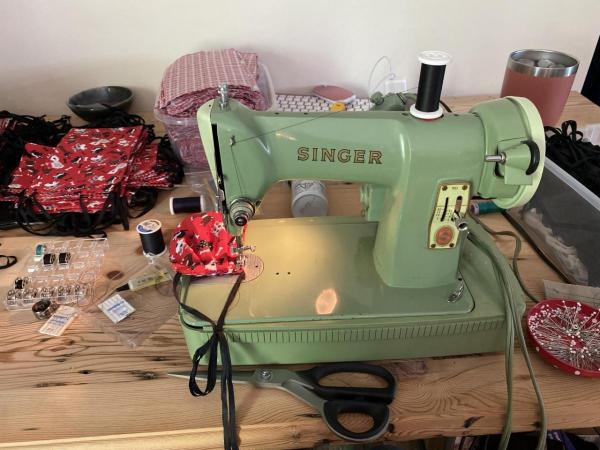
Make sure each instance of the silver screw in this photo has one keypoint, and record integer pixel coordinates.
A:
(265, 375)
(224, 94)
(500, 158)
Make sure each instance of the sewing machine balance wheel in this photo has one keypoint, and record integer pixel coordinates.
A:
(519, 162)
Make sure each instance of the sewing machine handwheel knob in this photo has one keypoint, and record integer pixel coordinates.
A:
(535, 157)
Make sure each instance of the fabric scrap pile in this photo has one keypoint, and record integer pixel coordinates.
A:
(193, 79)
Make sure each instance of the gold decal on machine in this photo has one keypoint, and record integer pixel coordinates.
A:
(450, 208)
(303, 154)
(344, 155)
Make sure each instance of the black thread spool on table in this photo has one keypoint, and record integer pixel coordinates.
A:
(153, 243)
(431, 80)
(178, 205)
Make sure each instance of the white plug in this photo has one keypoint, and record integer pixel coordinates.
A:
(395, 85)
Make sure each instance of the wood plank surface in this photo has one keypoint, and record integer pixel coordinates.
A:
(86, 390)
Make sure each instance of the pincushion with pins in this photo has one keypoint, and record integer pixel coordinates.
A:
(566, 333)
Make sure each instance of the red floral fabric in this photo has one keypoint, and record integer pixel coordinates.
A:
(202, 246)
(86, 167)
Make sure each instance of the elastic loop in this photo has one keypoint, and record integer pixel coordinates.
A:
(216, 343)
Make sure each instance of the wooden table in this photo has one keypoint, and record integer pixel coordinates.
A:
(84, 389)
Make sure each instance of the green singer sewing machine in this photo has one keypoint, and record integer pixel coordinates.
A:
(401, 281)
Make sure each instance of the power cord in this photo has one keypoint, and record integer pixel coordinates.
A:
(513, 326)
(515, 256)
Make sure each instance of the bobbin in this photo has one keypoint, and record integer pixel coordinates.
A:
(43, 309)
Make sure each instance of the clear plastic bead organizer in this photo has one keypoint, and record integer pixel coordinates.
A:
(61, 271)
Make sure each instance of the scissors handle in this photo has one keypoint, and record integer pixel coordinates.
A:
(379, 412)
(383, 395)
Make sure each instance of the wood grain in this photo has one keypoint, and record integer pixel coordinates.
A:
(85, 390)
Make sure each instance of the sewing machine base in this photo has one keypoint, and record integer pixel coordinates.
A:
(318, 298)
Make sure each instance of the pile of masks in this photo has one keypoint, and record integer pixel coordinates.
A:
(91, 178)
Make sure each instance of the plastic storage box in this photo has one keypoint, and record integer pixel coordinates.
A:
(184, 134)
(563, 221)
(61, 271)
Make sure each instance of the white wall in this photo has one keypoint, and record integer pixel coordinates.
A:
(52, 49)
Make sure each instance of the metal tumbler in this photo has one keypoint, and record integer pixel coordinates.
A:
(543, 76)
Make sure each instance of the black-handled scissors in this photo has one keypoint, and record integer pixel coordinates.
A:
(329, 401)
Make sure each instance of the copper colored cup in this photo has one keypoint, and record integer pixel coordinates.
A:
(543, 76)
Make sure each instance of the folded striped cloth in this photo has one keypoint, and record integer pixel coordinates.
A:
(193, 79)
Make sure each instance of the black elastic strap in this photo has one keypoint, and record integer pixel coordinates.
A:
(216, 343)
(565, 146)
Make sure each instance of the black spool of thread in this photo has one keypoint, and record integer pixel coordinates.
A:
(153, 243)
(178, 205)
(431, 80)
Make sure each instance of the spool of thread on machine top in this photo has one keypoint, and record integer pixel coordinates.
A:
(153, 243)
(431, 80)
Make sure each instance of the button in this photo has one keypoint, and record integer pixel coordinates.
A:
(444, 235)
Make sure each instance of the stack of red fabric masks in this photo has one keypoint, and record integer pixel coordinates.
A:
(193, 79)
(89, 170)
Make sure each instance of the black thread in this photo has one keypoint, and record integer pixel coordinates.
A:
(429, 93)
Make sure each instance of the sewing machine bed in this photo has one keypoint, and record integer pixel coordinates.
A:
(313, 295)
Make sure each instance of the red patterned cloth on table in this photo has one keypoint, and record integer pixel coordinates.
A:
(86, 167)
(193, 79)
(202, 246)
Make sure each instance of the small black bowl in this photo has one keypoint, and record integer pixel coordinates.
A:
(97, 103)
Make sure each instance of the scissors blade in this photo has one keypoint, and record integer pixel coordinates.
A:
(258, 377)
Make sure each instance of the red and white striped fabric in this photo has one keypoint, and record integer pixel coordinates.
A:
(193, 79)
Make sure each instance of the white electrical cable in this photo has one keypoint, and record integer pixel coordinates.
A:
(390, 75)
